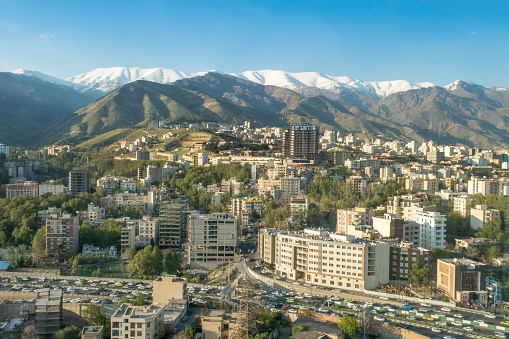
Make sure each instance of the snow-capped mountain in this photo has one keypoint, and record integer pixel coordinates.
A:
(107, 79)
(50, 78)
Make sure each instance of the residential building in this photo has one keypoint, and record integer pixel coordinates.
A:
(421, 182)
(474, 243)
(463, 280)
(201, 159)
(167, 288)
(29, 188)
(481, 214)
(212, 239)
(435, 157)
(48, 312)
(41, 215)
(79, 182)
(172, 225)
(402, 258)
(93, 214)
(478, 185)
(353, 216)
(267, 245)
(332, 260)
(128, 237)
(145, 322)
(358, 185)
(5, 150)
(90, 250)
(126, 199)
(148, 233)
(300, 142)
(396, 228)
(299, 205)
(291, 187)
(460, 205)
(62, 233)
(362, 163)
(407, 206)
(92, 332)
(216, 324)
(432, 230)
(51, 188)
(340, 157)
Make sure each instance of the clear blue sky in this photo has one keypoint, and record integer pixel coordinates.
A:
(436, 41)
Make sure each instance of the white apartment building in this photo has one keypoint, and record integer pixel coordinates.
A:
(481, 214)
(332, 260)
(362, 163)
(212, 239)
(479, 186)
(145, 322)
(432, 230)
(51, 188)
(460, 205)
(148, 231)
(353, 216)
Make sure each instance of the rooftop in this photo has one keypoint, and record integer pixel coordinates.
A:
(126, 310)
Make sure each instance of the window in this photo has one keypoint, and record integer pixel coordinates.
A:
(139, 325)
(114, 333)
(138, 333)
(133, 325)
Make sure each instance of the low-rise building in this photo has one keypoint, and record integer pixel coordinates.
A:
(51, 188)
(353, 216)
(481, 214)
(216, 324)
(474, 243)
(92, 332)
(402, 258)
(29, 188)
(463, 280)
(137, 321)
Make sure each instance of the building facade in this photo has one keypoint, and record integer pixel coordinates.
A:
(300, 142)
(79, 182)
(145, 322)
(172, 225)
(62, 233)
(432, 230)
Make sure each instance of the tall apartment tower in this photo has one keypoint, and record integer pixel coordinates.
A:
(172, 225)
(79, 182)
(62, 233)
(300, 142)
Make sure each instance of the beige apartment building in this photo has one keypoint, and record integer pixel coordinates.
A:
(460, 204)
(481, 214)
(332, 260)
(463, 280)
(137, 321)
(216, 324)
(353, 217)
(168, 287)
(267, 245)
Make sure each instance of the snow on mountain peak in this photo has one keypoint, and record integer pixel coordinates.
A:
(47, 78)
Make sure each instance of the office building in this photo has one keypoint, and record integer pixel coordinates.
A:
(79, 182)
(212, 239)
(300, 142)
(463, 280)
(145, 322)
(172, 225)
(62, 233)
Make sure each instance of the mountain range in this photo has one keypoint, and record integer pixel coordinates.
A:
(459, 112)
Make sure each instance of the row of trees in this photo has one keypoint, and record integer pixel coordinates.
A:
(150, 262)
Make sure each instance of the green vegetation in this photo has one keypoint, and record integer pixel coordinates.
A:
(69, 332)
(105, 235)
(419, 275)
(349, 326)
(456, 224)
(147, 263)
(267, 320)
(107, 270)
(298, 328)
(96, 316)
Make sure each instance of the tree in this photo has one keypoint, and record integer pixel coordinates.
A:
(456, 224)
(491, 254)
(96, 316)
(39, 246)
(147, 263)
(189, 332)
(69, 332)
(348, 325)
(419, 274)
(129, 253)
(30, 332)
(492, 230)
(173, 263)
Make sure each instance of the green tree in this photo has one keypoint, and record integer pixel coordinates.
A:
(349, 326)
(298, 328)
(69, 332)
(492, 230)
(173, 263)
(419, 274)
(39, 246)
(129, 253)
(491, 254)
(147, 263)
(96, 316)
(456, 224)
(189, 332)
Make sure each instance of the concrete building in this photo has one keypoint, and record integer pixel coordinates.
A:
(402, 258)
(332, 260)
(291, 187)
(5, 150)
(298, 204)
(267, 245)
(432, 230)
(478, 185)
(396, 228)
(407, 206)
(128, 237)
(92, 332)
(79, 182)
(353, 216)
(300, 142)
(167, 288)
(142, 155)
(48, 312)
(358, 185)
(216, 324)
(148, 231)
(145, 322)
(340, 157)
(212, 239)
(51, 188)
(460, 204)
(29, 188)
(463, 280)
(435, 157)
(481, 214)
(172, 225)
(62, 233)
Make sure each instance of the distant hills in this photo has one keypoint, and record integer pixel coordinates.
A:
(460, 112)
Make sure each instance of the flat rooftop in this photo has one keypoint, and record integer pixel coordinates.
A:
(137, 311)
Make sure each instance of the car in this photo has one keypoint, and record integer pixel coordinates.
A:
(505, 323)
(468, 328)
(425, 304)
(457, 315)
(480, 322)
(448, 337)
(437, 330)
(457, 323)
(377, 318)
(390, 314)
(373, 311)
(175, 330)
(427, 318)
(441, 323)
(293, 310)
(286, 308)
(185, 319)
(406, 307)
(491, 316)
(295, 283)
(411, 317)
(446, 309)
(384, 298)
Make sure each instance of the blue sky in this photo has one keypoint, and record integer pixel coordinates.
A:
(436, 41)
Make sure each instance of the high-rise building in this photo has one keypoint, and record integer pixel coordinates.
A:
(79, 182)
(172, 224)
(300, 142)
(432, 230)
(212, 239)
(62, 233)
